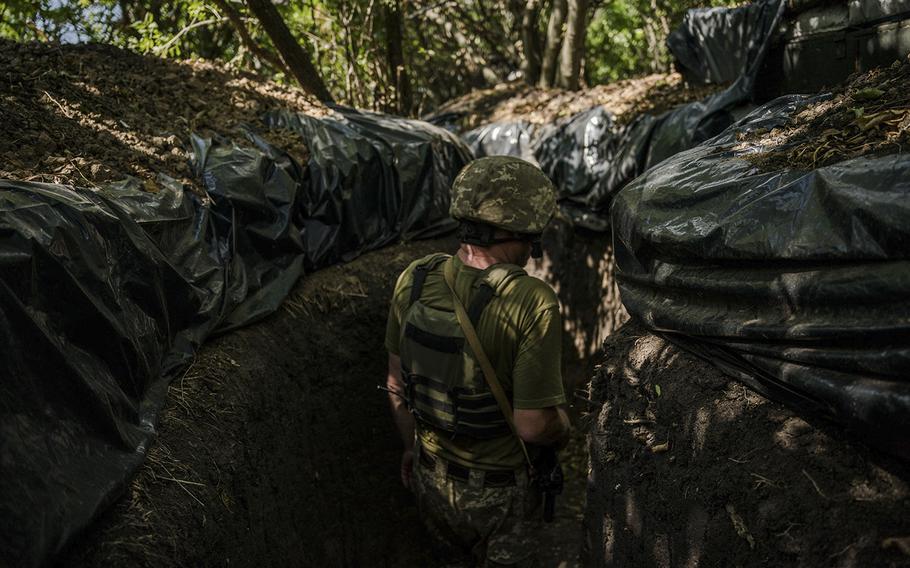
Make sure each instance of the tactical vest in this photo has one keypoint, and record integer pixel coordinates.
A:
(445, 387)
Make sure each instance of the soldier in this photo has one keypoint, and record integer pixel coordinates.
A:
(465, 456)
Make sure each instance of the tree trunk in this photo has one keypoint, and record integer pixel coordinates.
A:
(398, 73)
(554, 41)
(531, 42)
(293, 54)
(267, 57)
(573, 46)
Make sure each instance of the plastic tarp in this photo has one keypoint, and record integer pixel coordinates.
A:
(502, 139)
(715, 45)
(589, 157)
(106, 294)
(796, 282)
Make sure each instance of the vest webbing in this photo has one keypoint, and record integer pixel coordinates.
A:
(439, 372)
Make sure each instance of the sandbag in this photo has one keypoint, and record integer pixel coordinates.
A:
(717, 45)
(508, 138)
(105, 295)
(589, 157)
(796, 282)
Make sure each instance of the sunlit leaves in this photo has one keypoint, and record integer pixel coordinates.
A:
(450, 47)
(627, 37)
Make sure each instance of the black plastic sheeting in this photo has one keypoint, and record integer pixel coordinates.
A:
(590, 158)
(714, 45)
(502, 139)
(796, 282)
(105, 295)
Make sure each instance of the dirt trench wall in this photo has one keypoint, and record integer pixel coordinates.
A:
(690, 468)
(579, 266)
(276, 447)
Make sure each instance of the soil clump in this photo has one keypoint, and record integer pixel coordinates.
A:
(90, 114)
(691, 468)
(869, 116)
(626, 100)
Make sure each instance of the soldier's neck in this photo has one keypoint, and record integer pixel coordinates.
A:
(480, 257)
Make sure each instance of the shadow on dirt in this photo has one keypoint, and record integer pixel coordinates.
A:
(691, 468)
(276, 447)
(579, 266)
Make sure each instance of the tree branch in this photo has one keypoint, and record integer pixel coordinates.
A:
(163, 48)
(293, 54)
(237, 21)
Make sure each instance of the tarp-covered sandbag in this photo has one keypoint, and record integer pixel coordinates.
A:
(106, 294)
(716, 45)
(796, 281)
(255, 197)
(574, 153)
(590, 157)
(92, 314)
(371, 179)
(502, 139)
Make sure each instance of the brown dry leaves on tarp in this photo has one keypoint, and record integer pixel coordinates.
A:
(625, 99)
(869, 116)
(90, 114)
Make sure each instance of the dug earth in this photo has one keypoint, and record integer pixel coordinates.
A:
(691, 468)
(276, 447)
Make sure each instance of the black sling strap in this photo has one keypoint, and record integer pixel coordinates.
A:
(420, 276)
(481, 298)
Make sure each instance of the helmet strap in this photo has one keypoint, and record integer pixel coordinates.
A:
(481, 234)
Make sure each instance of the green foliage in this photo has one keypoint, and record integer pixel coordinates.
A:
(55, 20)
(166, 31)
(627, 38)
(450, 47)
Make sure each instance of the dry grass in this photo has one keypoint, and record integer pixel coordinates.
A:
(870, 116)
(625, 99)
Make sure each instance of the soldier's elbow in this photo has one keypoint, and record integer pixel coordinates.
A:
(540, 426)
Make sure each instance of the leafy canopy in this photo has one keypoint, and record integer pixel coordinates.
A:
(450, 46)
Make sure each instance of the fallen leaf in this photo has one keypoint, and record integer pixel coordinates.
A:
(740, 525)
(868, 94)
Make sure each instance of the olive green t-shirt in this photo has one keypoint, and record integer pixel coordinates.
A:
(521, 334)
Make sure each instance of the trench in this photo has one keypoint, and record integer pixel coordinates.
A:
(276, 447)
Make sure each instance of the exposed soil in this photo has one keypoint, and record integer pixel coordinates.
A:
(625, 99)
(579, 266)
(276, 447)
(89, 114)
(869, 116)
(691, 468)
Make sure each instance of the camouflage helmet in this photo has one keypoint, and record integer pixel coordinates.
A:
(506, 192)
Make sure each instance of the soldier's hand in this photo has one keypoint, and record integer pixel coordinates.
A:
(407, 467)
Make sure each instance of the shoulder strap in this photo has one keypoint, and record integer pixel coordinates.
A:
(488, 371)
(420, 274)
(492, 284)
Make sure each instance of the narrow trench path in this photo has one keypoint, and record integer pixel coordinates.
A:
(276, 447)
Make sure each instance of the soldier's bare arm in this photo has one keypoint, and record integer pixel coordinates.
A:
(404, 420)
(544, 426)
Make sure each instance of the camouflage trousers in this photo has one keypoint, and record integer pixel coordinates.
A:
(473, 525)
